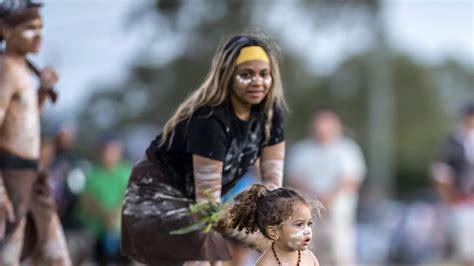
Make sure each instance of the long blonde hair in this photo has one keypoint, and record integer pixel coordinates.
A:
(216, 87)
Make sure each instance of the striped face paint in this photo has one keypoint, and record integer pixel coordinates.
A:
(272, 173)
(208, 183)
(299, 238)
(296, 233)
(305, 231)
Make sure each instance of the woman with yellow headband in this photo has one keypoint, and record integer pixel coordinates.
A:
(230, 124)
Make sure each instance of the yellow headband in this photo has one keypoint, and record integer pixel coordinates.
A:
(252, 53)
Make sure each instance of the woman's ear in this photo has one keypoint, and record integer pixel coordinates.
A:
(273, 232)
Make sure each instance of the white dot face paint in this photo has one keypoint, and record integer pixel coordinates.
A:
(249, 83)
(30, 33)
(267, 80)
(242, 80)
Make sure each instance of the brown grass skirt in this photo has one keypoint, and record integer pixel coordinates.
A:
(151, 209)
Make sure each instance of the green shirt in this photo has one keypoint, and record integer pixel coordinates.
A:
(107, 188)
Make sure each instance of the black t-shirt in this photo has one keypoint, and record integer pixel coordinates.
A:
(216, 133)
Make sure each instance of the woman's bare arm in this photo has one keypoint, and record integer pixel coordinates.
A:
(207, 178)
(271, 165)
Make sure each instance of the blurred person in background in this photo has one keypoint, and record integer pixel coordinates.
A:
(29, 225)
(453, 174)
(66, 176)
(331, 167)
(101, 201)
(67, 180)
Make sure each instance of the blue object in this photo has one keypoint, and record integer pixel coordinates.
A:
(245, 182)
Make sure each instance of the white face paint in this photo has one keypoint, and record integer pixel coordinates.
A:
(302, 233)
(267, 80)
(30, 33)
(298, 239)
(296, 233)
(242, 80)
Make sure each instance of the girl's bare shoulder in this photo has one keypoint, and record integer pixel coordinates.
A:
(266, 259)
(309, 258)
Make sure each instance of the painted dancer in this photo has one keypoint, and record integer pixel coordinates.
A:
(29, 226)
(231, 122)
(284, 217)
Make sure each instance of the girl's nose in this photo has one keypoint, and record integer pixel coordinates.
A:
(307, 231)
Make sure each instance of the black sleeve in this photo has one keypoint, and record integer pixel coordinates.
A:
(206, 137)
(277, 132)
(443, 154)
(450, 151)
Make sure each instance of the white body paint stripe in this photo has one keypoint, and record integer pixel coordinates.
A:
(272, 172)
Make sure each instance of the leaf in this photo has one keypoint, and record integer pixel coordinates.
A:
(210, 213)
(208, 228)
(188, 229)
(199, 207)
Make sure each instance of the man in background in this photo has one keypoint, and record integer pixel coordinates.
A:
(453, 174)
(331, 167)
(101, 201)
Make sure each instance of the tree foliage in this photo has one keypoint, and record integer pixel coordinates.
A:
(179, 54)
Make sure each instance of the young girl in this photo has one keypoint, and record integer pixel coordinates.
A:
(281, 215)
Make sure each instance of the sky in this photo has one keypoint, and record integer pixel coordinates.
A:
(87, 41)
(88, 44)
(432, 29)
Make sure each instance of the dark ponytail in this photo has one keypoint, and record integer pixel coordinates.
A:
(244, 210)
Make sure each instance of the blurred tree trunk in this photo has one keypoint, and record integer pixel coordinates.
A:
(380, 111)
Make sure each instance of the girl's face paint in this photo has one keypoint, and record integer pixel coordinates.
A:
(296, 233)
